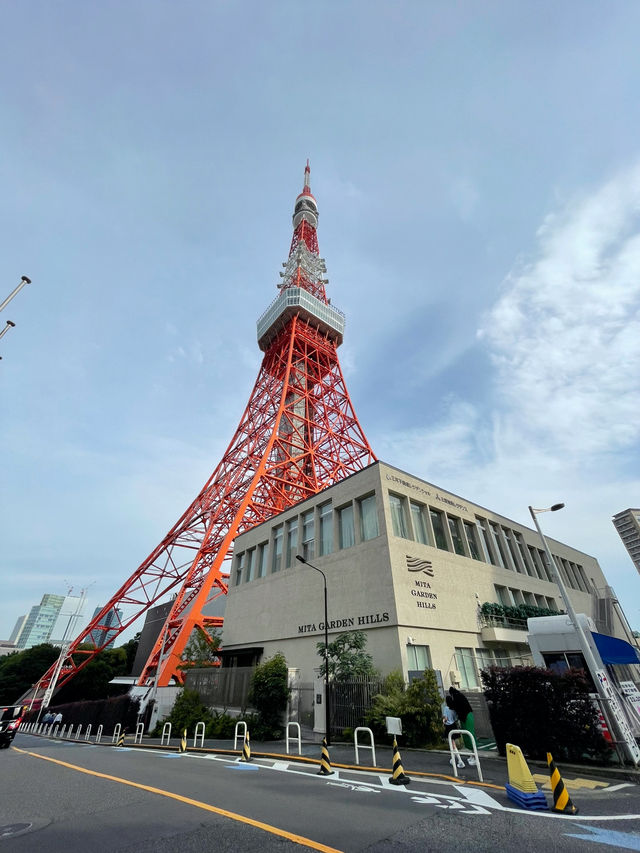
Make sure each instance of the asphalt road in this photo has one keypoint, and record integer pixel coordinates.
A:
(64, 797)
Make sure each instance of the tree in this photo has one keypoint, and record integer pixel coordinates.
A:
(201, 650)
(19, 671)
(347, 657)
(130, 649)
(269, 693)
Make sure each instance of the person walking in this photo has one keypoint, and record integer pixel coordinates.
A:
(463, 709)
(57, 719)
(450, 720)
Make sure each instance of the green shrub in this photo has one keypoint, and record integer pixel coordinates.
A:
(419, 706)
(541, 711)
(187, 711)
(269, 695)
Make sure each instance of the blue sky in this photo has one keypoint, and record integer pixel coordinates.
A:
(477, 170)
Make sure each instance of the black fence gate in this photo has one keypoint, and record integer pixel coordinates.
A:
(350, 701)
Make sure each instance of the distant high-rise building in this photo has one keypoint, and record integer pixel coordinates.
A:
(40, 621)
(627, 523)
(109, 628)
(17, 628)
(50, 621)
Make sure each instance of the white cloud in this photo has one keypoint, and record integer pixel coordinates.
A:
(562, 421)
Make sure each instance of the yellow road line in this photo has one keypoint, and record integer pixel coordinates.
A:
(274, 830)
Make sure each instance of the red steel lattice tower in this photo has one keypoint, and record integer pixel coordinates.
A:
(298, 435)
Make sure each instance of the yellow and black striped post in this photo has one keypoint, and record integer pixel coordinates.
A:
(325, 761)
(398, 777)
(561, 799)
(121, 738)
(246, 748)
(183, 741)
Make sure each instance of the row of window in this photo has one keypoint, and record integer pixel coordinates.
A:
(483, 540)
(469, 662)
(512, 597)
(313, 534)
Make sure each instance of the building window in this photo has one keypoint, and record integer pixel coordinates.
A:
(535, 560)
(249, 571)
(420, 529)
(500, 545)
(484, 658)
(512, 550)
(529, 598)
(472, 540)
(239, 569)
(307, 535)
(292, 541)
(276, 561)
(368, 518)
(418, 658)
(466, 665)
(503, 595)
(399, 516)
(501, 657)
(517, 596)
(482, 524)
(325, 524)
(438, 529)
(456, 535)
(346, 530)
(261, 562)
(524, 555)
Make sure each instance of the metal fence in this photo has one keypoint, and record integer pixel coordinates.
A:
(221, 688)
(350, 701)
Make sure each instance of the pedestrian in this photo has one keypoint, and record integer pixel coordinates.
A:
(465, 714)
(57, 719)
(450, 720)
(48, 717)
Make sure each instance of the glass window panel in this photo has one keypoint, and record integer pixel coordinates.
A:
(465, 663)
(487, 541)
(438, 529)
(472, 540)
(398, 516)
(456, 535)
(308, 535)
(515, 557)
(276, 561)
(368, 517)
(249, 571)
(500, 545)
(345, 527)
(239, 569)
(484, 658)
(325, 523)
(261, 563)
(419, 522)
(418, 658)
(292, 541)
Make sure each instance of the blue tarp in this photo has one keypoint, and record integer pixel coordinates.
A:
(612, 650)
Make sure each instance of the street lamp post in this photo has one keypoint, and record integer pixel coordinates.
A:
(327, 714)
(599, 677)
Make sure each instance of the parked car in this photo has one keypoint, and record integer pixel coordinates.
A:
(10, 719)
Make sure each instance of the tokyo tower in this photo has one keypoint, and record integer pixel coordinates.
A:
(298, 435)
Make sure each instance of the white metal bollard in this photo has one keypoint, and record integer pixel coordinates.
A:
(166, 732)
(78, 732)
(453, 749)
(88, 732)
(370, 746)
(199, 734)
(297, 737)
(116, 733)
(99, 734)
(139, 733)
(236, 735)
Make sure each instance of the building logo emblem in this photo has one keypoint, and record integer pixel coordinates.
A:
(416, 565)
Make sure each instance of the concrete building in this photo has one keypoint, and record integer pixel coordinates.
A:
(627, 523)
(427, 574)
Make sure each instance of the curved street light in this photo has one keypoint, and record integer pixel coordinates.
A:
(327, 715)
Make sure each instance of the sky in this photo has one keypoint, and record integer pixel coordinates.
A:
(477, 171)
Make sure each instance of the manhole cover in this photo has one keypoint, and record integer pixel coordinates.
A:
(9, 829)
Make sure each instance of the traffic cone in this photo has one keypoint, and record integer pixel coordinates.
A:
(183, 741)
(399, 777)
(325, 761)
(246, 748)
(561, 799)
